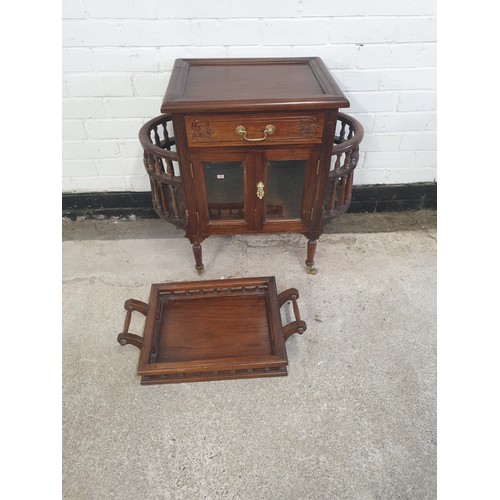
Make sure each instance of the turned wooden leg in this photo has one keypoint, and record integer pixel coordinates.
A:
(198, 258)
(311, 249)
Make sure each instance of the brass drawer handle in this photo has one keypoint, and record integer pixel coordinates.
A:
(269, 130)
(260, 189)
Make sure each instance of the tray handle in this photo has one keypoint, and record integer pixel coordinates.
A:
(125, 337)
(297, 326)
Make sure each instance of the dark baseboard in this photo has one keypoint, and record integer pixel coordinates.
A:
(371, 198)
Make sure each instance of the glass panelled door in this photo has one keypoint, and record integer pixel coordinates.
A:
(257, 190)
(222, 181)
(225, 190)
(289, 187)
(285, 187)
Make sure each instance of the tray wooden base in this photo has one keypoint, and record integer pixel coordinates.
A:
(212, 330)
(218, 375)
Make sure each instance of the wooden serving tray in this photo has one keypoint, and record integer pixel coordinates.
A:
(212, 330)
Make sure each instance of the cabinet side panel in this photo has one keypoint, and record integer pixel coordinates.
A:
(193, 230)
(322, 177)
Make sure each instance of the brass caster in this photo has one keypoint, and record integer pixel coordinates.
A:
(312, 270)
(201, 271)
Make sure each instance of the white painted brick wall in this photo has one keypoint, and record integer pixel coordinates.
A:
(118, 54)
(115, 128)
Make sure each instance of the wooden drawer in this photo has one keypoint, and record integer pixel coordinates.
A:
(254, 129)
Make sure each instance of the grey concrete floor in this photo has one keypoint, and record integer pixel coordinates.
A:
(354, 419)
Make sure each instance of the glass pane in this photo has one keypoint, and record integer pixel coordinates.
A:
(284, 187)
(224, 183)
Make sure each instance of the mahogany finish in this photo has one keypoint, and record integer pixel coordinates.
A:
(250, 120)
(213, 330)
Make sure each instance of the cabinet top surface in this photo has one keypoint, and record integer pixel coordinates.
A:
(208, 85)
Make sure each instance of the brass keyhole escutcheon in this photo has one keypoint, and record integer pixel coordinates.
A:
(260, 190)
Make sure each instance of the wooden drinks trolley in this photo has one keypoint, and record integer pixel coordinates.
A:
(258, 146)
(212, 330)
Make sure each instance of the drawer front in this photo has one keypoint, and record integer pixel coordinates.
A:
(254, 130)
